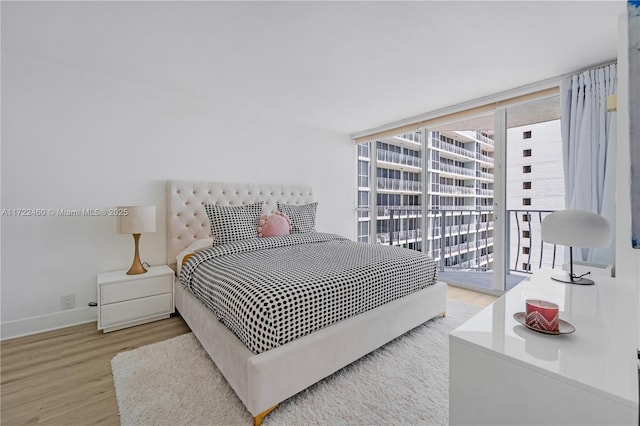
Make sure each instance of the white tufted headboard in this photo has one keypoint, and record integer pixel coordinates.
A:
(187, 220)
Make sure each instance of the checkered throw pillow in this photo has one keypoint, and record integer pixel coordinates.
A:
(233, 223)
(303, 218)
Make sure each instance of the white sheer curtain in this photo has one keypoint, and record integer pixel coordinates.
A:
(588, 148)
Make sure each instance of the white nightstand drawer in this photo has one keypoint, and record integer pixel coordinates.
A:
(130, 310)
(127, 300)
(116, 292)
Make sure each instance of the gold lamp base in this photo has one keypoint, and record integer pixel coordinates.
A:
(136, 266)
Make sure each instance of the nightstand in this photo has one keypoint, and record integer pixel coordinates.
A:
(128, 300)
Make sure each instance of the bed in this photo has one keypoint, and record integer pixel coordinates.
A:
(267, 370)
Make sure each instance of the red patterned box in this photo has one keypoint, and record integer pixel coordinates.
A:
(542, 315)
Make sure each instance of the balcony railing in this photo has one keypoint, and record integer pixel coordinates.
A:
(400, 237)
(452, 189)
(450, 234)
(485, 192)
(528, 249)
(463, 152)
(484, 175)
(460, 190)
(460, 208)
(485, 158)
(397, 158)
(448, 168)
(482, 138)
(415, 137)
(391, 184)
(449, 147)
(412, 211)
(462, 237)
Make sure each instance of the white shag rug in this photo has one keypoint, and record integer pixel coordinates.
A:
(405, 382)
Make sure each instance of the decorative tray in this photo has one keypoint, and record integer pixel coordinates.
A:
(564, 326)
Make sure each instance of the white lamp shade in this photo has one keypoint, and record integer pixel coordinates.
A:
(138, 220)
(576, 228)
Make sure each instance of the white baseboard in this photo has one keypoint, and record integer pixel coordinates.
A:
(40, 324)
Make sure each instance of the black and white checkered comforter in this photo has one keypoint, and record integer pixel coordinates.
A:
(270, 291)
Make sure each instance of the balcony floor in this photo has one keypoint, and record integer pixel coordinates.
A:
(480, 279)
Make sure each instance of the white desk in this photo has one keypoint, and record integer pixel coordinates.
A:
(503, 373)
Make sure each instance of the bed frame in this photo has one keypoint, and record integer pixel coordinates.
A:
(264, 380)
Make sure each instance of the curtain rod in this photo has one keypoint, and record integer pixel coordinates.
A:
(593, 67)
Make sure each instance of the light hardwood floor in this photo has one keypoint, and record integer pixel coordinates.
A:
(63, 377)
(469, 296)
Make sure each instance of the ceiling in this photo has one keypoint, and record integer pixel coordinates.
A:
(339, 66)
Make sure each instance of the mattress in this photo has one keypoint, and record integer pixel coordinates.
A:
(270, 291)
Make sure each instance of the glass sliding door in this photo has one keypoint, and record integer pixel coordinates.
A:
(471, 193)
(535, 185)
(432, 190)
(460, 218)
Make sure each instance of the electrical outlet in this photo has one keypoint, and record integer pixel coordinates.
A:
(68, 301)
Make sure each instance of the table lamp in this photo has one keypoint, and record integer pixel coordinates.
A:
(138, 220)
(576, 228)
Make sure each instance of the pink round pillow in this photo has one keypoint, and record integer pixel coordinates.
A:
(274, 225)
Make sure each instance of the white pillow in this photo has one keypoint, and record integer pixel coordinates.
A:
(199, 244)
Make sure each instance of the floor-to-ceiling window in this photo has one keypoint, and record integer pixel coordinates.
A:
(390, 191)
(434, 189)
(364, 193)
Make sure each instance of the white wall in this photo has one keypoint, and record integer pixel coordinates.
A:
(73, 139)
(627, 259)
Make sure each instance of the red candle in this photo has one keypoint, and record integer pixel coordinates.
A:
(543, 315)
